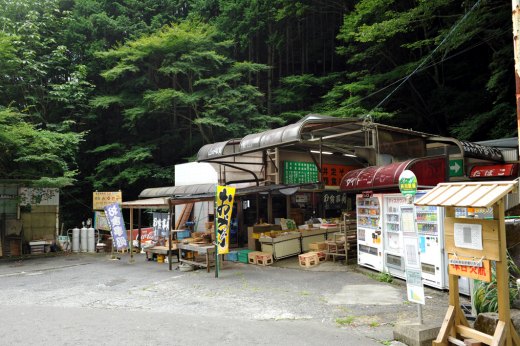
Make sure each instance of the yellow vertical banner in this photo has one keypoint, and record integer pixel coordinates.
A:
(223, 207)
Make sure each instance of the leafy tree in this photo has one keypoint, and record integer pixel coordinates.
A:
(26, 152)
(175, 90)
(449, 56)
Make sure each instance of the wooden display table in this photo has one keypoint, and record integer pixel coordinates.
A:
(313, 235)
(282, 246)
(207, 250)
(161, 250)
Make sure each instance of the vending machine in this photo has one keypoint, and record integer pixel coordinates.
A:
(392, 235)
(430, 232)
(369, 231)
(429, 221)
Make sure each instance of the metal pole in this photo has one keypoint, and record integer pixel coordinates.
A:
(216, 235)
(131, 241)
(170, 234)
(516, 50)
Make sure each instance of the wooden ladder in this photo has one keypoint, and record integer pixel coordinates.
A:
(184, 216)
(272, 166)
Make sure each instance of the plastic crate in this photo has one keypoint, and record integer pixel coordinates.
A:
(232, 256)
(243, 256)
(183, 234)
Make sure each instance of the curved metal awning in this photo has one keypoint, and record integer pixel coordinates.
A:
(172, 191)
(429, 172)
(310, 129)
(218, 149)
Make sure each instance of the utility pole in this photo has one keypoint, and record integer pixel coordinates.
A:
(516, 49)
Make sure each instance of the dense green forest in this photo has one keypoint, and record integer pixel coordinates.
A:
(107, 95)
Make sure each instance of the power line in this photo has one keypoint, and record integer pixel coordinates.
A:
(428, 66)
(404, 80)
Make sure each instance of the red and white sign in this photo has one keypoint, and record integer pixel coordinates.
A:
(146, 234)
(505, 170)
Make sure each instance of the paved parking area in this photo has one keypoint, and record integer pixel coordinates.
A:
(277, 305)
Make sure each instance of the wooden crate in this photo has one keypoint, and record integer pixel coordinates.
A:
(251, 257)
(318, 246)
(264, 259)
(322, 256)
(308, 260)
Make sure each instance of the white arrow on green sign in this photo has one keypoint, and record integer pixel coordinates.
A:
(456, 168)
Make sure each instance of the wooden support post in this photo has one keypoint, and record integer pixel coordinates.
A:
(447, 324)
(500, 334)
(502, 273)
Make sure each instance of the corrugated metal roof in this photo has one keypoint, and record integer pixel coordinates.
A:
(467, 194)
(339, 134)
(147, 203)
(170, 191)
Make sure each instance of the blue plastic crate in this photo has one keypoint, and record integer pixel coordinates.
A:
(183, 234)
(232, 256)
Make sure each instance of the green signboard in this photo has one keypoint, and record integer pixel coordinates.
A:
(456, 168)
(295, 172)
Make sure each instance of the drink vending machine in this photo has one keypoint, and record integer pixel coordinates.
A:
(429, 221)
(369, 232)
(393, 252)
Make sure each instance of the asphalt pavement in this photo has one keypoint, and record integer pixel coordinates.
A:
(81, 299)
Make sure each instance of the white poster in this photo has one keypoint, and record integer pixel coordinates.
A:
(39, 196)
(411, 252)
(468, 235)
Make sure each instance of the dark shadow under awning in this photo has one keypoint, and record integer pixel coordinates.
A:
(285, 189)
(429, 172)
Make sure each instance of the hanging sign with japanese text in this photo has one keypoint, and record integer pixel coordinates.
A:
(334, 200)
(161, 223)
(224, 207)
(295, 172)
(117, 225)
(478, 269)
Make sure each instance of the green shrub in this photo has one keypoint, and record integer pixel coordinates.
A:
(485, 296)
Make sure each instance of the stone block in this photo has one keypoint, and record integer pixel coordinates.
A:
(414, 334)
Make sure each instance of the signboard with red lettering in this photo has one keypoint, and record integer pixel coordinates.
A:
(474, 268)
(490, 171)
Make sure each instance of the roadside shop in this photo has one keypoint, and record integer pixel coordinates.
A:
(378, 205)
(317, 150)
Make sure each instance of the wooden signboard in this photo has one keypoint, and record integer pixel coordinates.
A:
(472, 268)
(102, 199)
(486, 247)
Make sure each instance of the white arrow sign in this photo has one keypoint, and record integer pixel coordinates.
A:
(455, 167)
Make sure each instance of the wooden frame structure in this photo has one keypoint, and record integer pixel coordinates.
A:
(476, 195)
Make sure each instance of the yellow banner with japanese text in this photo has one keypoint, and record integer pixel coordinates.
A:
(223, 208)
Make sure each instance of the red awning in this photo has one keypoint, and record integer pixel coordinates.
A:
(429, 172)
(494, 171)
